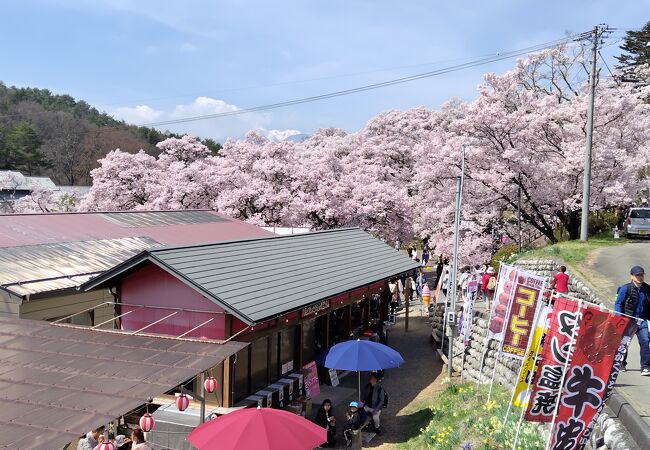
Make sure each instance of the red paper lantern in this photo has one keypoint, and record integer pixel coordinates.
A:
(182, 402)
(146, 422)
(210, 384)
(107, 446)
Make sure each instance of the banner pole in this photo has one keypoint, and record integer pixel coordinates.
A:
(486, 347)
(538, 311)
(530, 383)
(487, 340)
(496, 361)
(566, 366)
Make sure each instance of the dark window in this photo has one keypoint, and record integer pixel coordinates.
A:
(241, 375)
(273, 358)
(287, 350)
(308, 341)
(259, 357)
(640, 214)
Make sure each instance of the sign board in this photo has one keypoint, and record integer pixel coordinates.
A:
(334, 377)
(315, 308)
(527, 291)
(287, 367)
(312, 385)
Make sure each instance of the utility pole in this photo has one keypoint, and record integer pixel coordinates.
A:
(586, 181)
(451, 315)
(519, 211)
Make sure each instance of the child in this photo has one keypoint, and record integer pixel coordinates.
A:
(356, 419)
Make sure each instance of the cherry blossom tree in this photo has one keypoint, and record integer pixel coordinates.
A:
(396, 177)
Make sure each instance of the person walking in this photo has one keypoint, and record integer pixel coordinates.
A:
(633, 299)
(560, 281)
(488, 284)
(325, 419)
(439, 267)
(445, 284)
(394, 295)
(373, 401)
(425, 256)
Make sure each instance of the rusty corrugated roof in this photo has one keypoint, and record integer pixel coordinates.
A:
(42, 253)
(33, 269)
(57, 383)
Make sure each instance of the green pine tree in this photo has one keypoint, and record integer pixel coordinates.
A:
(22, 150)
(636, 48)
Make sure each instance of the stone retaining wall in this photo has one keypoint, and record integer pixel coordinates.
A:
(507, 369)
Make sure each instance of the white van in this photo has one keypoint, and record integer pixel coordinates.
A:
(637, 222)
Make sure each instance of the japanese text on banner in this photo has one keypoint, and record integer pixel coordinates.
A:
(589, 376)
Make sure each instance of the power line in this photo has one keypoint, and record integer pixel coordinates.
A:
(479, 62)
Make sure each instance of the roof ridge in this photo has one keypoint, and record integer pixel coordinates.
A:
(251, 239)
(132, 211)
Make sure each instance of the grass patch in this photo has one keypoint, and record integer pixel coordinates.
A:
(571, 252)
(463, 418)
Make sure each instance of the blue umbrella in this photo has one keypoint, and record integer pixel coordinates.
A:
(361, 355)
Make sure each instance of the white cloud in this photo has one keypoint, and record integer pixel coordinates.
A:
(217, 128)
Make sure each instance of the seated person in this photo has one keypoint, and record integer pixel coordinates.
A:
(356, 420)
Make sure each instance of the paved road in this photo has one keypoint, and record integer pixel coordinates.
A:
(613, 265)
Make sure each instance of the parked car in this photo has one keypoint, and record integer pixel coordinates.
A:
(637, 222)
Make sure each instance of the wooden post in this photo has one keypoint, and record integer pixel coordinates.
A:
(225, 385)
(407, 297)
(327, 330)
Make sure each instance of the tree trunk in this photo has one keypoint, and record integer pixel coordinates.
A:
(573, 225)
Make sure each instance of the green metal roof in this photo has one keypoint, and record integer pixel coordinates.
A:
(257, 279)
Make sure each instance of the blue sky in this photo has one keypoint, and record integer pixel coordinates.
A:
(147, 60)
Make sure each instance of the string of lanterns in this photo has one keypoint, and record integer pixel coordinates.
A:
(182, 403)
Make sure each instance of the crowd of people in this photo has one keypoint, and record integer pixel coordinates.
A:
(359, 415)
(95, 438)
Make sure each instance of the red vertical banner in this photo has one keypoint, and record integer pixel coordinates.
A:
(590, 376)
(545, 388)
(527, 291)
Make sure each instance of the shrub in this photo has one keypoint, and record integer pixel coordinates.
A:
(464, 417)
(504, 254)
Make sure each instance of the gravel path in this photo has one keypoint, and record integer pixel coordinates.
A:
(409, 388)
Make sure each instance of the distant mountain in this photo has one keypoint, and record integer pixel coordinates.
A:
(57, 136)
(297, 137)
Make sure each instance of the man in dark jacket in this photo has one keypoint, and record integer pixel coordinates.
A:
(373, 401)
(633, 299)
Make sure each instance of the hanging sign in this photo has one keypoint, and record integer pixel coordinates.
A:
(312, 385)
(315, 308)
(588, 378)
(334, 377)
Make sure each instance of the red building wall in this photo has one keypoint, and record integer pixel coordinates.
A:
(152, 286)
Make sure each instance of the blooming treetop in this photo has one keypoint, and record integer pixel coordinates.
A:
(396, 177)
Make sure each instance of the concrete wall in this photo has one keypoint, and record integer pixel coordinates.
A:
(507, 369)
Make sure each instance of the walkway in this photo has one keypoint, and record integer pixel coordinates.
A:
(612, 265)
(407, 387)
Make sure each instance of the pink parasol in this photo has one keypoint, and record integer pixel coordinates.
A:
(259, 429)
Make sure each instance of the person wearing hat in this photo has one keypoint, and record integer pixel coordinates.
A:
(633, 299)
(356, 419)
